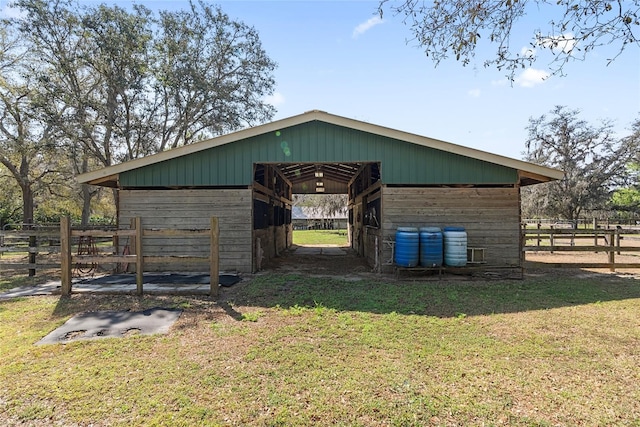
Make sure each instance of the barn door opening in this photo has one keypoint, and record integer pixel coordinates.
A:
(334, 198)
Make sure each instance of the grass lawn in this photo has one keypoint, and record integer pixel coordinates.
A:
(296, 351)
(320, 237)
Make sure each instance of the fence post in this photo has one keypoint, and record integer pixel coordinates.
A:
(551, 239)
(612, 252)
(539, 226)
(132, 242)
(65, 255)
(32, 254)
(618, 238)
(139, 256)
(214, 257)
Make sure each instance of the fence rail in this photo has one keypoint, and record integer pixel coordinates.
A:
(612, 242)
(21, 249)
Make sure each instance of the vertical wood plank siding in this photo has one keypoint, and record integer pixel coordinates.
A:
(193, 209)
(318, 142)
(491, 217)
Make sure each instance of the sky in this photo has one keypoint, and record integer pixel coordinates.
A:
(340, 57)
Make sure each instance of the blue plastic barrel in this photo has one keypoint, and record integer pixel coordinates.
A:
(407, 244)
(431, 248)
(455, 246)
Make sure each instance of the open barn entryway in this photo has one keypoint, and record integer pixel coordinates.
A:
(276, 189)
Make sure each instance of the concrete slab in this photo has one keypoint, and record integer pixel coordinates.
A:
(333, 251)
(26, 291)
(113, 324)
(320, 250)
(154, 283)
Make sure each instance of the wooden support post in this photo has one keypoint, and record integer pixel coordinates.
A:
(139, 256)
(612, 253)
(32, 254)
(551, 243)
(618, 238)
(538, 240)
(65, 255)
(214, 258)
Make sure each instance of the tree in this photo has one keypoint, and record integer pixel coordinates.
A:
(211, 75)
(456, 28)
(121, 84)
(626, 200)
(27, 144)
(327, 204)
(593, 161)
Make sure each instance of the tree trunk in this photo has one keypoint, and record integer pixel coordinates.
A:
(27, 205)
(87, 195)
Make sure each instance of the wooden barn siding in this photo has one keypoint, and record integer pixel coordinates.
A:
(281, 235)
(193, 209)
(491, 217)
(370, 235)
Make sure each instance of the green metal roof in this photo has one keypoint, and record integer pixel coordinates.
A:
(317, 137)
(318, 142)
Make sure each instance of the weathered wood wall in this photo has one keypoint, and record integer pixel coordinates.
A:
(273, 241)
(491, 217)
(193, 209)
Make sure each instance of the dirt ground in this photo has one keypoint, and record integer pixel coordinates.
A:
(334, 265)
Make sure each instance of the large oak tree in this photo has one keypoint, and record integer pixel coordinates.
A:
(593, 158)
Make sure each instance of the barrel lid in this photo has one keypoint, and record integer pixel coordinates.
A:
(452, 228)
(407, 229)
(430, 229)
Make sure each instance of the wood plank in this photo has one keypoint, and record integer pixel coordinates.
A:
(214, 257)
(102, 259)
(171, 259)
(27, 265)
(580, 249)
(537, 264)
(102, 233)
(174, 232)
(65, 257)
(567, 231)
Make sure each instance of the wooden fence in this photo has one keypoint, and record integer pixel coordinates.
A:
(612, 242)
(136, 256)
(29, 247)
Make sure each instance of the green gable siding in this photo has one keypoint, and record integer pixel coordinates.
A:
(318, 142)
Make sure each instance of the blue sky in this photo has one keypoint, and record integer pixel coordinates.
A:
(337, 56)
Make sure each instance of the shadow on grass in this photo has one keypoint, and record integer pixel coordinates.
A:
(441, 299)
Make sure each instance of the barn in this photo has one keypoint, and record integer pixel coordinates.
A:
(392, 178)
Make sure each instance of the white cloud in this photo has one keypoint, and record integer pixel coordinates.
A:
(531, 77)
(276, 99)
(474, 93)
(8, 12)
(528, 52)
(366, 26)
(565, 43)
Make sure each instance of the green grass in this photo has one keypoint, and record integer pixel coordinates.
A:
(320, 237)
(297, 351)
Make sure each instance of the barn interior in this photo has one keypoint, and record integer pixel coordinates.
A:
(274, 185)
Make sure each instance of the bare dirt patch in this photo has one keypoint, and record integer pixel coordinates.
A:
(295, 261)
